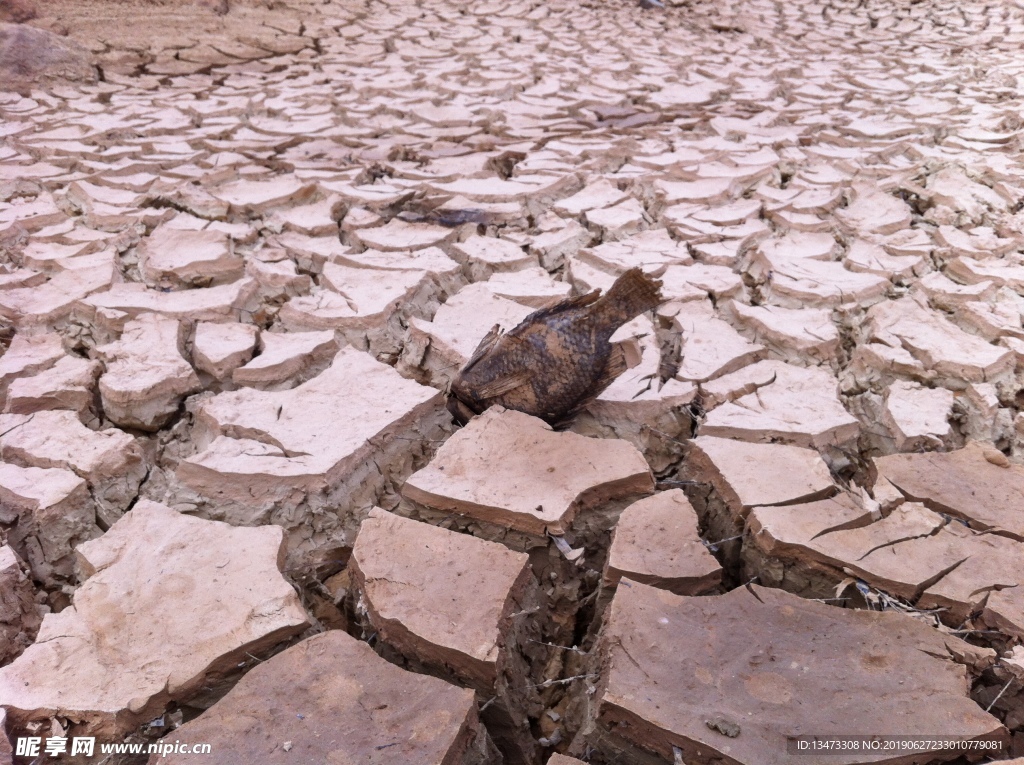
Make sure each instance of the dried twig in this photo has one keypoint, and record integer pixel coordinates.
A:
(1000, 694)
(561, 681)
(553, 645)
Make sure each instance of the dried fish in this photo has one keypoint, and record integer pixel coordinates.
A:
(558, 359)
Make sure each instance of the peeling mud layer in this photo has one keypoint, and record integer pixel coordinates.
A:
(245, 245)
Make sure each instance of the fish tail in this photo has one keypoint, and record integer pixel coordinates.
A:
(633, 293)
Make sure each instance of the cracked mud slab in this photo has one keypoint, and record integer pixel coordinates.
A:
(829, 191)
(512, 470)
(452, 605)
(656, 543)
(351, 705)
(734, 676)
(293, 457)
(123, 651)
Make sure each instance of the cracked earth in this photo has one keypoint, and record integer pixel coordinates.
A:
(244, 248)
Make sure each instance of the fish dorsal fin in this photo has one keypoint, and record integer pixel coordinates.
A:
(485, 345)
(565, 304)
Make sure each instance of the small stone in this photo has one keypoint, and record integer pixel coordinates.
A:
(561, 759)
(996, 457)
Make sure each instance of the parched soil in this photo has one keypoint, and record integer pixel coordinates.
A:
(244, 249)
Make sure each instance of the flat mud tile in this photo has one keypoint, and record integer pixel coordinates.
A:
(740, 675)
(512, 470)
(800, 336)
(138, 635)
(110, 461)
(178, 259)
(800, 406)
(656, 542)
(968, 483)
(145, 376)
(287, 359)
(219, 349)
(68, 384)
(343, 439)
(918, 417)
(337, 701)
(28, 355)
(451, 605)
(482, 256)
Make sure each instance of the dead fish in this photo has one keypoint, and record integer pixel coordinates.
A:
(558, 359)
